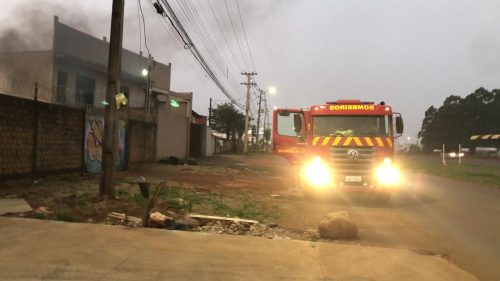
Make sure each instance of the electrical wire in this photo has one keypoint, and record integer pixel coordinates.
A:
(244, 32)
(223, 34)
(235, 35)
(196, 53)
(144, 28)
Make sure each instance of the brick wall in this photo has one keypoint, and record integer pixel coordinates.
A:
(60, 138)
(54, 135)
(16, 135)
(141, 141)
(50, 133)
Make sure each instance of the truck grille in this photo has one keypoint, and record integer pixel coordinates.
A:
(344, 166)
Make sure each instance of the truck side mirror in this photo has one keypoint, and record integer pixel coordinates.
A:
(399, 125)
(297, 123)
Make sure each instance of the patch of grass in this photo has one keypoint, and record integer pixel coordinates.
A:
(76, 200)
(122, 193)
(39, 216)
(66, 217)
(137, 198)
(246, 209)
(477, 173)
(182, 199)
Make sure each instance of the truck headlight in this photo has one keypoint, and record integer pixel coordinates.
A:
(387, 174)
(317, 172)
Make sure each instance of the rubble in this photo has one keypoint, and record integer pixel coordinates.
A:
(159, 220)
(252, 229)
(337, 225)
(43, 210)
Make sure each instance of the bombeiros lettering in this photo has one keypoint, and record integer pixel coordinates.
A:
(351, 107)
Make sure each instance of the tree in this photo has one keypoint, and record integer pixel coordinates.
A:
(228, 120)
(459, 118)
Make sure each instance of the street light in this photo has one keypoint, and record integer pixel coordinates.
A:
(144, 72)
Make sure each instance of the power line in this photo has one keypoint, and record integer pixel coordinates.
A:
(236, 36)
(244, 32)
(223, 34)
(204, 38)
(144, 27)
(193, 49)
(140, 32)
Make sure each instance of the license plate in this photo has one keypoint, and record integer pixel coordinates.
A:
(353, 178)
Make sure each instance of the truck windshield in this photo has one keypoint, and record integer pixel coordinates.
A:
(351, 125)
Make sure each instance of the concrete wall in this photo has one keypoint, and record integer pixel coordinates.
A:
(74, 69)
(79, 48)
(173, 127)
(208, 142)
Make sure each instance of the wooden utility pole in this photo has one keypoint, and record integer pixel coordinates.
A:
(109, 153)
(258, 116)
(247, 107)
(210, 113)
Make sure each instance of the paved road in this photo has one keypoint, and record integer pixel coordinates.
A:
(49, 250)
(432, 215)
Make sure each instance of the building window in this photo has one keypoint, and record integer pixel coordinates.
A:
(62, 86)
(85, 88)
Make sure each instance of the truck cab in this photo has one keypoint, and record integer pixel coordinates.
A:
(345, 145)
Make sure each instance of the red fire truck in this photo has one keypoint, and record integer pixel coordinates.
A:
(346, 145)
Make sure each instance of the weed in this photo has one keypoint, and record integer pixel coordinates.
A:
(66, 217)
(40, 216)
(137, 198)
(74, 200)
(246, 209)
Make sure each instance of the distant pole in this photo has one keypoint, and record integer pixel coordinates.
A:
(444, 157)
(459, 154)
(210, 114)
(148, 90)
(247, 107)
(258, 116)
(109, 153)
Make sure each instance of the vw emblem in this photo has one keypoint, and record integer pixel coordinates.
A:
(352, 154)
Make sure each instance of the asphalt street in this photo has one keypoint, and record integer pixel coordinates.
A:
(429, 215)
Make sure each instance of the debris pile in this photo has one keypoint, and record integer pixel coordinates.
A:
(213, 224)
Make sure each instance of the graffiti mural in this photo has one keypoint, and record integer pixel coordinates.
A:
(94, 136)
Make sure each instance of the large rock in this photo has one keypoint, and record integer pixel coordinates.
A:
(337, 225)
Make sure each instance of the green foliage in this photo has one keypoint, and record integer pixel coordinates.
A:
(458, 118)
(66, 217)
(246, 209)
(227, 119)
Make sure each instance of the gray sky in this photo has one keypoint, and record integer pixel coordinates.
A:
(411, 54)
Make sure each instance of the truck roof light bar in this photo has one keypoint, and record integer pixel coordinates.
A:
(349, 102)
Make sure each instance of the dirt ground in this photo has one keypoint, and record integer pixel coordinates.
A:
(227, 185)
(429, 215)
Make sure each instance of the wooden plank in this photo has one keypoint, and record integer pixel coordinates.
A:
(123, 216)
(203, 217)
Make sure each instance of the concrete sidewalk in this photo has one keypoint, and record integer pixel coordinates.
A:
(50, 250)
